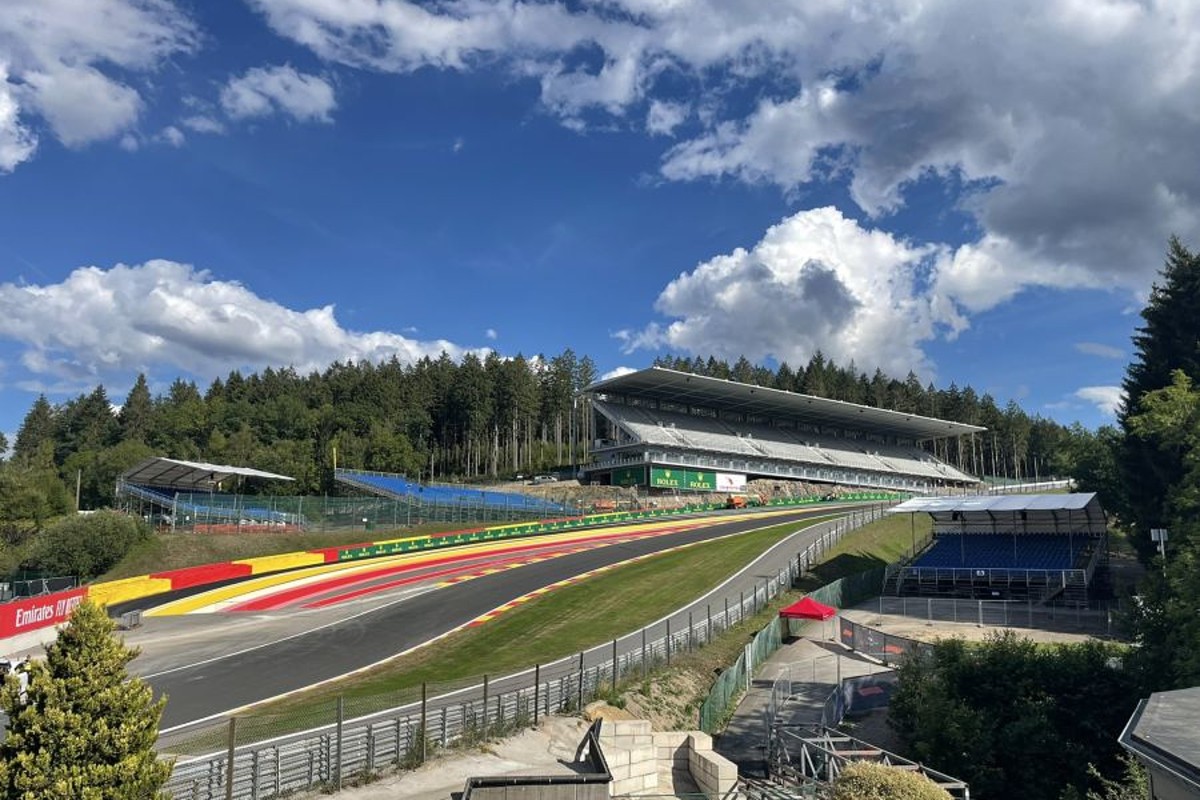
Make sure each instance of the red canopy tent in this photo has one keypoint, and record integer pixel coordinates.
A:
(807, 608)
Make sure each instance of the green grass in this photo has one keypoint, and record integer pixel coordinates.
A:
(164, 551)
(875, 545)
(558, 624)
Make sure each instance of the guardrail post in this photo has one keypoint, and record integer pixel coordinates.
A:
(537, 689)
(423, 730)
(580, 681)
(614, 666)
(229, 758)
(337, 782)
(690, 628)
(644, 667)
(708, 617)
(725, 619)
(741, 604)
(668, 642)
(485, 707)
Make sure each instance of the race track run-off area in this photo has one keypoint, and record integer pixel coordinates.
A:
(215, 652)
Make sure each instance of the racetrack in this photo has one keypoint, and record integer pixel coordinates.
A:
(209, 671)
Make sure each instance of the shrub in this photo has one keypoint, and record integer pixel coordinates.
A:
(87, 545)
(866, 781)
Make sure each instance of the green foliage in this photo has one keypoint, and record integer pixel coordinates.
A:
(82, 730)
(1165, 343)
(866, 781)
(1134, 783)
(87, 545)
(1012, 718)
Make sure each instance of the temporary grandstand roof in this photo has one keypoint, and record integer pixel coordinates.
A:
(190, 474)
(1082, 509)
(685, 388)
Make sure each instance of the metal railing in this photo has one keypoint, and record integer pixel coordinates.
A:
(36, 587)
(1005, 613)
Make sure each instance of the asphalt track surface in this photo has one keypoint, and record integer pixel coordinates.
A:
(221, 685)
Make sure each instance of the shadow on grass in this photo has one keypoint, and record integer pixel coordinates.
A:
(840, 566)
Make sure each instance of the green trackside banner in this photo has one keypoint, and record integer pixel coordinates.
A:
(686, 479)
(629, 476)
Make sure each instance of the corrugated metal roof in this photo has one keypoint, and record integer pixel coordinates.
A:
(685, 388)
(190, 474)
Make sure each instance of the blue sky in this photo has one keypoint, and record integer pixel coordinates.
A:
(188, 188)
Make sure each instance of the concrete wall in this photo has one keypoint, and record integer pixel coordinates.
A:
(628, 747)
(713, 773)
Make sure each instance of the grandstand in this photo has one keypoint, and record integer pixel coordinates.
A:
(1040, 548)
(673, 430)
(174, 493)
(488, 503)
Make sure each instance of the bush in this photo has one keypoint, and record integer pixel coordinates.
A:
(866, 781)
(87, 545)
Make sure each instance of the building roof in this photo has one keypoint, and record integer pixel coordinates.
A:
(190, 474)
(685, 388)
(1082, 508)
(1163, 731)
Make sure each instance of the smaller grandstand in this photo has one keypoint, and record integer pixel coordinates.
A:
(1041, 548)
(489, 504)
(173, 493)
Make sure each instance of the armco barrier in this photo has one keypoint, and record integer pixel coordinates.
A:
(23, 616)
(198, 576)
(265, 564)
(111, 592)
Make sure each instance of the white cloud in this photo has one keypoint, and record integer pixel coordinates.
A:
(17, 141)
(1067, 133)
(172, 136)
(1105, 398)
(491, 334)
(264, 91)
(66, 56)
(817, 280)
(99, 323)
(202, 124)
(663, 118)
(617, 372)
(1100, 350)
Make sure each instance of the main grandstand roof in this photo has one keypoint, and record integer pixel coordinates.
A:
(190, 474)
(1005, 503)
(683, 387)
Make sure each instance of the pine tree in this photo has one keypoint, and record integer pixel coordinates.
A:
(83, 729)
(1169, 340)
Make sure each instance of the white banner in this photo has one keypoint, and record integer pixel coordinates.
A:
(730, 482)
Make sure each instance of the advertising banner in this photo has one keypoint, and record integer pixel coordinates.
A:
(629, 476)
(685, 479)
(33, 613)
(730, 482)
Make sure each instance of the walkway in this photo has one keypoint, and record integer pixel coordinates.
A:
(814, 665)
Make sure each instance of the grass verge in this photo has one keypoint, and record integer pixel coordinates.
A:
(874, 545)
(555, 625)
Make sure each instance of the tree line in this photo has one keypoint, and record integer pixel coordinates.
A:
(436, 419)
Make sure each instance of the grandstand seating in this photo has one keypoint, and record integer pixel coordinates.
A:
(224, 508)
(400, 487)
(666, 428)
(1043, 551)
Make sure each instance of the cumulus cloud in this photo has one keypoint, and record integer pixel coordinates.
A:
(491, 334)
(104, 322)
(1066, 131)
(663, 118)
(1105, 398)
(264, 91)
(817, 280)
(1100, 350)
(70, 61)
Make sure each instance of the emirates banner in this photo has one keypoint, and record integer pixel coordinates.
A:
(30, 614)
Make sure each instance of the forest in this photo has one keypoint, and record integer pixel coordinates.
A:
(435, 420)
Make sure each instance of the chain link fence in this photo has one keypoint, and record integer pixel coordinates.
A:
(1005, 613)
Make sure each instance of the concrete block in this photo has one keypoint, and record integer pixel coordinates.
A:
(698, 740)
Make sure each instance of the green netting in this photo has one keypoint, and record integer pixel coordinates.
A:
(852, 589)
(728, 688)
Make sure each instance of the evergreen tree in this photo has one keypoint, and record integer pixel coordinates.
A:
(135, 414)
(1169, 340)
(37, 427)
(83, 729)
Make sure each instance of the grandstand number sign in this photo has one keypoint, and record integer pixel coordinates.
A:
(1160, 535)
